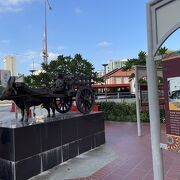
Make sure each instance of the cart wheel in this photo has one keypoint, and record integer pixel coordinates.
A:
(63, 104)
(84, 100)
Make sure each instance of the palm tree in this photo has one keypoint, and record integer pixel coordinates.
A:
(162, 50)
(129, 65)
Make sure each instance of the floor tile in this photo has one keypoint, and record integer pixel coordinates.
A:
(134, 161)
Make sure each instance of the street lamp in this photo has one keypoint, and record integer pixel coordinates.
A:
(32, 70)
(105, 80)
(44, 52)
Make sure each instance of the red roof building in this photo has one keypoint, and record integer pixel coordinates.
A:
(116, 80)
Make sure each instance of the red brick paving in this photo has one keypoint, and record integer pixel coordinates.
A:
(134, 155)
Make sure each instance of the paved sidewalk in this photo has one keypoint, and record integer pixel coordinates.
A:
(134, 155)
(126, 157)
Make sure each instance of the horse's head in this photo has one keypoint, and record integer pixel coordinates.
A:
(9, 91)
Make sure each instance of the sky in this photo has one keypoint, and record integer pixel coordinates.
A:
(99, 30)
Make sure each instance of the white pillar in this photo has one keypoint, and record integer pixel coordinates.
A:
(154, 105)
(137, 103)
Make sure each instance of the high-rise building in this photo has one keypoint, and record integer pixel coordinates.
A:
(4, 77)
(10, 64)
(114, 64)
(100, 73)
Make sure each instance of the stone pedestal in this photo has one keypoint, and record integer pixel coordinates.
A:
(27, 149)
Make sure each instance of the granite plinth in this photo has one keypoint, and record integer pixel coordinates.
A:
(27, 149)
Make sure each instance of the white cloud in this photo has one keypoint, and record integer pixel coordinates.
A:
(12, 5)
(27, 56)
(52, 56)
(5, 41)
(10, 9)
(30, 54)
(110, 52)
(61, 48)
(78, 10)
(14, 2)
(104, 44)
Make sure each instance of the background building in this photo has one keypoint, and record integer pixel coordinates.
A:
(116, 81)
(100, 73)
(114, 64)
(4, 77)
(10, 64)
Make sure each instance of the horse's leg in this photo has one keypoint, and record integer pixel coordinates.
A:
(52, 107)
(46, 106)
(53, 111)
(27, 114)
(22, 114)
(34, 114)
(48, 109)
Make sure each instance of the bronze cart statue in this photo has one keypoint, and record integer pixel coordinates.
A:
(67, 89)
(61, 94)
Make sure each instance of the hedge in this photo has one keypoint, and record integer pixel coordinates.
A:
(124, 112)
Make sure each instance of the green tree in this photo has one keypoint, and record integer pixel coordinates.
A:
(65, 65)
(141, 60)
(129, 65)
(162, 50)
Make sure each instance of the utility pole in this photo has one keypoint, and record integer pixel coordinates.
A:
(44, 51)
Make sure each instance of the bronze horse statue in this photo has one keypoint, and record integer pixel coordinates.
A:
(25, 97)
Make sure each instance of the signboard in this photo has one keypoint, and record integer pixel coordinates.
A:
(171, 76)
(141, 73)
(4, 77)
(165, 20)
(144, 97)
